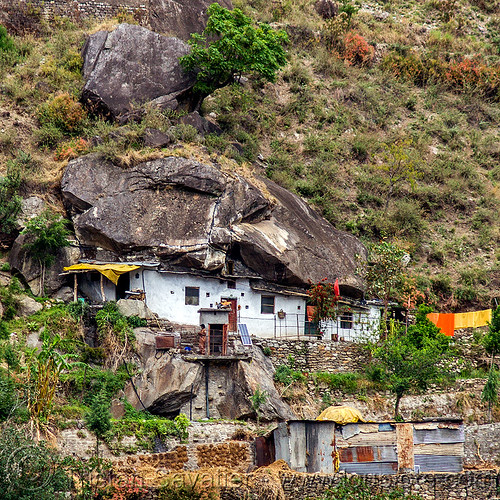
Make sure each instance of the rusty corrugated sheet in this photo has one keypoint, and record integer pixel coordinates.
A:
(346, 455)
(264, 452)
(365, 454)
(404, 437)
(165, 341)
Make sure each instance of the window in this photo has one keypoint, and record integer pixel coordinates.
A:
(267, 304)
(192, 296)
(231, 284)
(346, 321)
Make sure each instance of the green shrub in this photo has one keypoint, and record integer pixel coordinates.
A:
(63, 115)
(10, 201)
(98, 419)
(29, 471)
(8, 397)
(85, 382)
(345, 382)
(285, 375)
(354, 488)
(110, 320)
(229, 46)
(9, 53)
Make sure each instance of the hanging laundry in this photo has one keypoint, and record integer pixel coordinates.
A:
(473, 319)
(445, 322)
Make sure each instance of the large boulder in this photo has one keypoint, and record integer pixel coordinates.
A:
(26, 306)
(245, 377)
(196, 215)
(166, 383)
(21, 262)
(131, 66)
(180, 18)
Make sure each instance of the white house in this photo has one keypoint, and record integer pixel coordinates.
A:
(268, 310)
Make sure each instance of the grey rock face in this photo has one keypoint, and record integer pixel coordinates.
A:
(193, 214)
(243, 380)
(131, 66)
(129, 307)
(21, 262)
(28, 306)
(181, 17)
(165, 380)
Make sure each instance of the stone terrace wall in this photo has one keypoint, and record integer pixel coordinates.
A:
(473, 485)
(329, 356)
(99, 9)
(317, 355)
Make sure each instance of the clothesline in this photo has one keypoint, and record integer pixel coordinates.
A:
(449, 322)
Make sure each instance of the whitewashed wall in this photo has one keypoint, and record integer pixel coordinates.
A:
(365, 324)
(91, 288)
(165, 295)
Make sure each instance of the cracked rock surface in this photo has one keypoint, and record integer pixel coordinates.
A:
(194, 214)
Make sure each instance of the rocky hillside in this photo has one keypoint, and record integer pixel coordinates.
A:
(385, 120)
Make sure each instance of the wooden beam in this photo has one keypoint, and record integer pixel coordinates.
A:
(102, 289)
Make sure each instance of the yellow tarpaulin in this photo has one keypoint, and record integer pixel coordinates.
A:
(341, 415)
(473, 319)
(111, 271)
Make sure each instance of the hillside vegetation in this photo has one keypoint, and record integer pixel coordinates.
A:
(386, 119)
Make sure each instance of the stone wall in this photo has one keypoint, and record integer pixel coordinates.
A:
(210, 444)
(473, 485)
(329, 356)
(99, 9)
(482, 445)
(316, 355)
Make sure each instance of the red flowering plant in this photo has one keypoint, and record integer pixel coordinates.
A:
(71, 149)
(323, 296)
(357, 51)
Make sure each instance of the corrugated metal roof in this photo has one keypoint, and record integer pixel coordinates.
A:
(439, 435)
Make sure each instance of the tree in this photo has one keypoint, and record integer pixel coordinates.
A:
(46, 234)
(257, 399)
(384, 272)
(399, 166)
(10, 202)
(99, 418)
(229, 46)
(490, 391)
(405, 366)
(491, 340)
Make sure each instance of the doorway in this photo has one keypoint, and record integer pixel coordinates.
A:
(233, 314)
(123, 286)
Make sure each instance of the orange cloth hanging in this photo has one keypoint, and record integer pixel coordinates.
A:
(445, 322)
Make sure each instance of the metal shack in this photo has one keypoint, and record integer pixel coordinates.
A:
(371, 447)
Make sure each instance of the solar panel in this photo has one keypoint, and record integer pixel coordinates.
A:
(245, 336)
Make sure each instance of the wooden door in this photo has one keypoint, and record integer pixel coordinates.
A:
(233, 314)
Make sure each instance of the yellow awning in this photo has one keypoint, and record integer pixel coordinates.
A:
(111, 271)
(341, 415)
